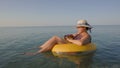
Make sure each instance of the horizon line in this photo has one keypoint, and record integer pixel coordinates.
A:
(57, 25)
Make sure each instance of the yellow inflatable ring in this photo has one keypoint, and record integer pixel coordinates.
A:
(73, 48)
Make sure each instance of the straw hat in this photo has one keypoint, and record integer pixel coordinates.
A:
(83, 23)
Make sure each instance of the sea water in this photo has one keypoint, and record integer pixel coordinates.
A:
(14, 41)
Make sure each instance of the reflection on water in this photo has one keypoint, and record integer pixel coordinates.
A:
(79, 60)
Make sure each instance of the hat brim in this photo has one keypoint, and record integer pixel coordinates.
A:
(84, 26)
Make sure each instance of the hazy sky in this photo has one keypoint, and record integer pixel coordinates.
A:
(58, 12)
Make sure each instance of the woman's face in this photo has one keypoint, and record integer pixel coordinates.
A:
(81, 29)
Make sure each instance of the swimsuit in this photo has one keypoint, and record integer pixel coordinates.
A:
(77, 37)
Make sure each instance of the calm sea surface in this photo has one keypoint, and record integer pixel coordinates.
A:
(14, 41)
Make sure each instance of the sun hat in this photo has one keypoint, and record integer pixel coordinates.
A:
(83, 23)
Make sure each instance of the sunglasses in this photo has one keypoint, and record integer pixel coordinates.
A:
(80, 27)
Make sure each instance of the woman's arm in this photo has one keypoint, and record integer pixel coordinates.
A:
(79, 42)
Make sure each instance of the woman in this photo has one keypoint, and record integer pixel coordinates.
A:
(81, 37)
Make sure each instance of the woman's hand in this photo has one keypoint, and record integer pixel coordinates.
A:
(70, 36)
(78, 42)
(69, 40)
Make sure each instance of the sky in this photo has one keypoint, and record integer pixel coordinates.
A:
(58, 12)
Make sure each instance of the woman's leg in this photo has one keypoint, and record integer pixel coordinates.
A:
(50, 43)
(52, 40)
